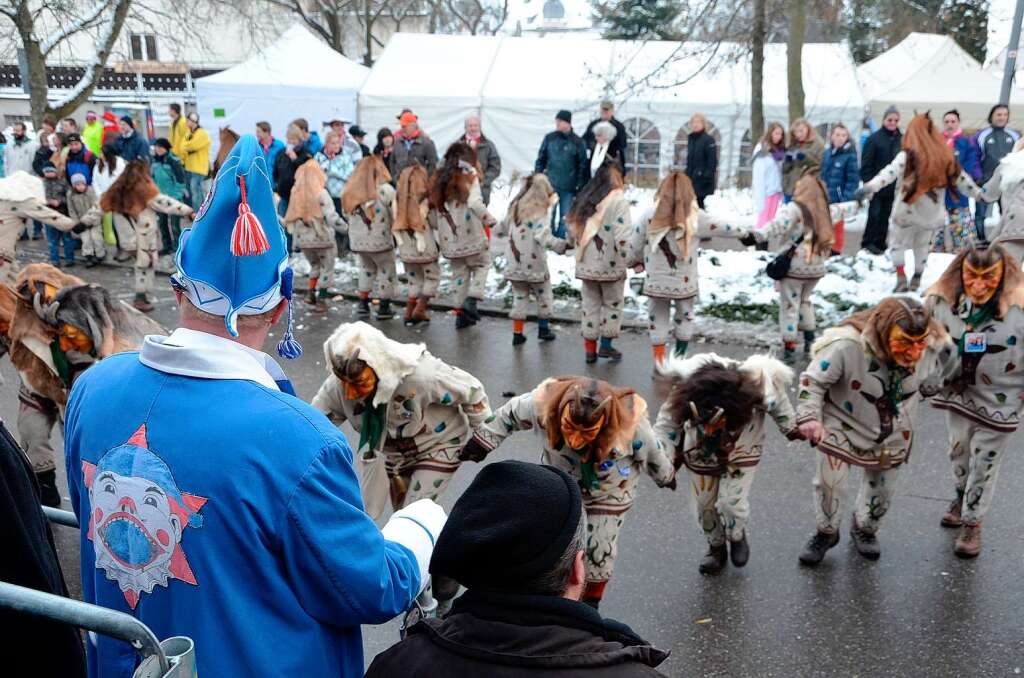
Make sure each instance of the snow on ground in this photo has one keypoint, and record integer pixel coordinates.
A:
(737, 299)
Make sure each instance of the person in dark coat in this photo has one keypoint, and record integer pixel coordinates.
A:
(130, 144)
(486, 155)
(701, 158)
(879, 150)
(515, 540)
(79, 160)
(359, 134)
(31, 646)
(290, 159)
(563, 157)
(618, 143)
(412, 147)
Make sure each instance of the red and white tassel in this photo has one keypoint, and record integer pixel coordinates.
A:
(247, 237)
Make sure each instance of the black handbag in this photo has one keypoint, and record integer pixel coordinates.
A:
(778, 268)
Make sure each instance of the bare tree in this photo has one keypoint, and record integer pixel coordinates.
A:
(757, 39)
(796, 13)
(467, 16)
(104, 18)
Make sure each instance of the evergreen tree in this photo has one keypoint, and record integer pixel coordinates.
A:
(639, 19)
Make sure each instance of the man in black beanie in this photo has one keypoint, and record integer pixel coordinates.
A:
(515, 540)
(564, 158)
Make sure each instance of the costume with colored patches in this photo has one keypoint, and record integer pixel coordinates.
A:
(601, 229)
(22, 199)
(713, 420)
(215, 504)
(805, 228)
(856, 387)
(367, 203)
(527, 225)
(1007, 185)
(417, 243)
(460, 218)
(923, 172)
(312, 220)
(413, 418)
(665, 242)
(614, 442)
(980, 299)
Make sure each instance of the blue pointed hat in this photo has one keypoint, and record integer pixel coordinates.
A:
(233, 260)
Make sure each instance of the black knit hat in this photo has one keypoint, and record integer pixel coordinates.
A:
(512, 523)
(564, 115)
(163, 143)
(128, 119)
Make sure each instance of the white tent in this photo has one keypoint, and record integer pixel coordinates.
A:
(518, 84)
(927, 72)
(296, 76)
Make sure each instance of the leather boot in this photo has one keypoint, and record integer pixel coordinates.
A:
(865, 542)
(462, 320)
(545, 334)
(363, 310)
(901, 283)
(311, 297)
(968, 542)
(49, 495)
(714, 560)
(384, 311)
(915, 282)
(808, 341)
(817, 547)
(739, 551)
(469, 307)
(952, 517)
(141, 303)
(420, 314)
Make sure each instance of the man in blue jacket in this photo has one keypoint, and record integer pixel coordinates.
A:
(563, 157)
(130, 145)
(215, 504)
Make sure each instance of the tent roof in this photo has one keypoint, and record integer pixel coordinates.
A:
(918, 56)
(296, 59)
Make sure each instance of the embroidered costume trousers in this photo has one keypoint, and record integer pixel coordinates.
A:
(377, 273)
(414, 478)
(36, 418)
(93, 244)
(145, 270)
(796, 312)
(521, 292)
(422, 279)
(873, 500)
(722, 503)
(602, 545)
(602, 308)
(321, 265)
(918, 239)
(976, 453)
(670, 319)
(469, 276)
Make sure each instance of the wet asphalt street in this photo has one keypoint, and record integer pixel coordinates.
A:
(919, 611)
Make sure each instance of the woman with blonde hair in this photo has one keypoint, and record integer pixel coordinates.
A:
(766, 173)
(803, 155)
(311, 220)
(923, 171)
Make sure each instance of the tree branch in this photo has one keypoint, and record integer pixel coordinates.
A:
(87, 20)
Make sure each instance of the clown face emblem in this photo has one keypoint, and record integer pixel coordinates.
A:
(138, 517)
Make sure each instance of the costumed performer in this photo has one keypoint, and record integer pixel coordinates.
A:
(367, 203)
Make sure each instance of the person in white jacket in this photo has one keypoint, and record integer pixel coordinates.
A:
(766, 174)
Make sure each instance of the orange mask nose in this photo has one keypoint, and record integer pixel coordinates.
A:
(361, 386)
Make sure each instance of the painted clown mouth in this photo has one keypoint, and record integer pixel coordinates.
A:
(128, 541)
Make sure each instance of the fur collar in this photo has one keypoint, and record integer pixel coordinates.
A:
(593, 224)
(21, 186)
(774, 375)
(390, 360)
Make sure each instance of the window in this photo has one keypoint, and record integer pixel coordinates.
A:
(643, 152)
(143, 47)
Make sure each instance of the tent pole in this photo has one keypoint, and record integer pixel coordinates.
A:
(1010, 68)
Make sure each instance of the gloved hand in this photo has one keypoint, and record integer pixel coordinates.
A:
(79, 228)
(748, 239)
(474, 450)
(417, 527)
(861, 194)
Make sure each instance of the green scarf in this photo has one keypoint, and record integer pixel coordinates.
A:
(894, 392)
(589, 476)
(372, 428)
(61, 362)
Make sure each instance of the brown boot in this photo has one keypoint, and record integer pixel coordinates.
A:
(141, 303)
(311, 296)
(968, 542)
(420, 313)
(952, 517)
(410, 305)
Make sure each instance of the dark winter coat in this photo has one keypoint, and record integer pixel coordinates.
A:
(57, 189)
(490, 163)
(82, 163)
(880, 149)
(840, 173)
(617, 146)
(994, 143)
(420, 150)
(134, 147)
(503, 635)
(702, 162)
(802, 158)
(564, 158)
(284, 171)
(967, 155)
(43, 154)
(32, 645)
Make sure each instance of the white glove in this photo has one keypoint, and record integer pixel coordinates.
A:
(417, 527)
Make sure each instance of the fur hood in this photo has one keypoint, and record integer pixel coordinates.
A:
(21, 186)
(534, 200)
(390, 360)
(949, 286)
(774, 375)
